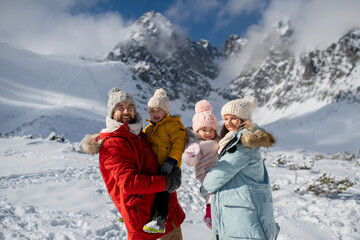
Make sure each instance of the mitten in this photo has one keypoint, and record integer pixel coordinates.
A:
(192, 150)
(168, 166)
(173, 180)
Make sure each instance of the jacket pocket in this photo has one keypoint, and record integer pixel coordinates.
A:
(139, 211)
(239, 216)
(134, 200)
(241, 222)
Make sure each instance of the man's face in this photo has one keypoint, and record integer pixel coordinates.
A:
(124, 112)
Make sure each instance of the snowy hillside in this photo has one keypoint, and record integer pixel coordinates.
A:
(40, 95)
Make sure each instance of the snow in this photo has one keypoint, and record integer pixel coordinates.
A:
(51, 190)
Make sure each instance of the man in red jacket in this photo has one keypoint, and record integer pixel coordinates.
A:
(129, 169)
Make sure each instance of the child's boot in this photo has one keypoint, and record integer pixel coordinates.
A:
(157, 225)
(207, 217)
(120, 219)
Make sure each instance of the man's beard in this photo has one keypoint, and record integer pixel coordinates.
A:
(132, 119)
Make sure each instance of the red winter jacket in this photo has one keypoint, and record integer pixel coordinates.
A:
(129, 168)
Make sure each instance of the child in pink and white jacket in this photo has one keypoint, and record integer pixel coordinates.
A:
(202, 146)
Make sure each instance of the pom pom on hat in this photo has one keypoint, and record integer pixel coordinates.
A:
(252, 101)
(159, 100)
(242, 108)
(202, 106)
(204, 116)
(160, 92)
(116, 96)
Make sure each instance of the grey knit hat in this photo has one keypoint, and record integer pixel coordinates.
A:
(242, 108)
(116, 96)
(159, 100)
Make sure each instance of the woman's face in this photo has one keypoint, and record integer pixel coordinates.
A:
(231, 122)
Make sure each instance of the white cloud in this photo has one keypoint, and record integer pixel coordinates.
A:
(316, 23)
(324, 22)
(52, 27)
(234, 8)
(225, 12)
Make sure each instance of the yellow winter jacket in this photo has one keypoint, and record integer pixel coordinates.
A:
(167, 138)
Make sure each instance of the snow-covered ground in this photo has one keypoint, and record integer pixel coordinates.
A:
(50, 190)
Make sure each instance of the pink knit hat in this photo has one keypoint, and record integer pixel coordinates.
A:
(204, 116)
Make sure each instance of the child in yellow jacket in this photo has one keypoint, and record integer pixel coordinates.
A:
(167, 136)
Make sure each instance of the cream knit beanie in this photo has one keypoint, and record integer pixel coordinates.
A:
(242, 108)
(159, 100)
(116, 96)
(204, 116)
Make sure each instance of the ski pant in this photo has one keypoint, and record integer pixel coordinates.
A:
(161, 205)
(176, 234)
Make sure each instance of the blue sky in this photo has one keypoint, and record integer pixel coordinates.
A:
(91, 28)
(200, 19)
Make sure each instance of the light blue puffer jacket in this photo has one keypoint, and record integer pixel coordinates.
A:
(242, 204)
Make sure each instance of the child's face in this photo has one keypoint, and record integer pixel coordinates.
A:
(157, 114)
(207, 133)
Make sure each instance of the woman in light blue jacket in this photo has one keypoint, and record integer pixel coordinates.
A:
(242, 204)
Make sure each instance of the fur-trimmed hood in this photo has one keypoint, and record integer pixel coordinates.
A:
(250, 136)
(92, 143)
(257, 138)
(191, 135)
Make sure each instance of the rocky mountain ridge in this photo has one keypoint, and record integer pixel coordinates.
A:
(326, 75)
(161, 56)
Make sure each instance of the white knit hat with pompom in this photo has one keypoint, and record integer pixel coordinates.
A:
(242, 108)
(204, 116)
(116, 96)
(159, 100)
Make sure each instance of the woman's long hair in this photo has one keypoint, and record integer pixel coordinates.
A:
(243, 124)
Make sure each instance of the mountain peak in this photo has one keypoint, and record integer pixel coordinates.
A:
(233, 45)
(155, 23)
(152, 15)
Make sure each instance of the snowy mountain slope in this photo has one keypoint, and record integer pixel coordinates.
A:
(35, 90)
(314, 126)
